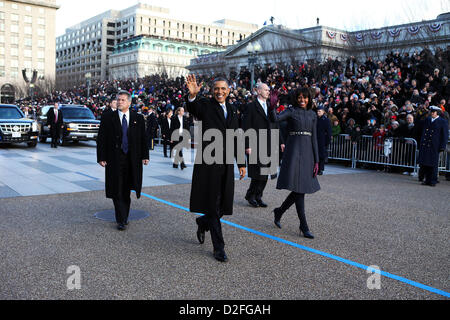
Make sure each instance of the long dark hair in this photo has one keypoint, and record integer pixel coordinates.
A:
(306, 93)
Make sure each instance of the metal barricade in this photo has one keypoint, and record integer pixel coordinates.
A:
(444, 160)
(341, 148)
(395, 152)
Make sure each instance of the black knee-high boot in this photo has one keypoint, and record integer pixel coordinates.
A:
(300, 205)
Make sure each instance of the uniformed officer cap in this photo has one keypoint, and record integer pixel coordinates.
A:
(434, 108)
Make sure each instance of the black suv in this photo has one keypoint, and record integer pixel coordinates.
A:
(15, 127)
(79, 124)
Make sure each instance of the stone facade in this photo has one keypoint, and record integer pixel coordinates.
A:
(27, 41)
(90, 45)
(279, 44)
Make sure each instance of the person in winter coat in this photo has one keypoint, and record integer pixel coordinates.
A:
(300, 164)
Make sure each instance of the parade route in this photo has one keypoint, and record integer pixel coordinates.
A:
(363, 217)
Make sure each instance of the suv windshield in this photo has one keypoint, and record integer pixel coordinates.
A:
(10, 113)
(78, 113)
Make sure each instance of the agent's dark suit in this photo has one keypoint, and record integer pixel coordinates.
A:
(323, 140)
(257, 119)
(55, 124)
(152, 130)
(165, 134)
(177, 139)
(123, 170)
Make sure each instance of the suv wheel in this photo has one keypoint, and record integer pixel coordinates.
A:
(32, 144)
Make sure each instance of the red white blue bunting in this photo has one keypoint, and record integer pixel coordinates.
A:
(331, 34)
(413, 30)
(435, 27)
(359, 37)
(395, 32)
(344, 37)
(376, 35)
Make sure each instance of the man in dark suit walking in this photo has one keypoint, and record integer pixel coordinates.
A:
(256, 117)
(323, 137)
(434, 140)
(165, 132)
(122, 149)
(55, 124)
(177, 125)
(212, 191)
(152, 128)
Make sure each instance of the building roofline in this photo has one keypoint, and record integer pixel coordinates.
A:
(38, 3)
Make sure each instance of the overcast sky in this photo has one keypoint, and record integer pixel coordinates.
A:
(342, 14)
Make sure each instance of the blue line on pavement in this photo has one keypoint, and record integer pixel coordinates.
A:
(83, 174)
(321, 253)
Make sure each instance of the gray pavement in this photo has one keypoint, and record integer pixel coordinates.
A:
(367, 218)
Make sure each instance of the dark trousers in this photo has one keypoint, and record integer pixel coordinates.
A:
(211, 221)
(123, 202)
(178, 157)
(299, 200)
(322, 164)
(54, 134)
(166, 143)
(256, 189)
(430, 174)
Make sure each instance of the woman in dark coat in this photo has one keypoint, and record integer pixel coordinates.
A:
(300, 164)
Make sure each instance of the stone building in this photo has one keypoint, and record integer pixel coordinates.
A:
(279, 44)
(27, 46)
(89, 46)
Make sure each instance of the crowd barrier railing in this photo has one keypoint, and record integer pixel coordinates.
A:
(392, 152)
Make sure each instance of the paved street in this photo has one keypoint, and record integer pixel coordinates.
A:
(49, 198)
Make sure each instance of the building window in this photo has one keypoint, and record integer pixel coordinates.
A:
(14, 6)
(28, 19)
(14, 17)
(41, 21)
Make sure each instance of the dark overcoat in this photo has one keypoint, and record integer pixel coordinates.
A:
(209, 179)
(323, 136)
(434, 139)
(301, 153)
(109, 146)
(255, 118)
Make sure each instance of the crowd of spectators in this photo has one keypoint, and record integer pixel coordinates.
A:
(362, 97)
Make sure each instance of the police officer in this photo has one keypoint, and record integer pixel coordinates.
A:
(434, 140)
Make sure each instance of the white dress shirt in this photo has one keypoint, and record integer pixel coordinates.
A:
(127, 117)
(264, 105)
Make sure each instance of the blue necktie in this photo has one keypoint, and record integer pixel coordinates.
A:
(124, 134)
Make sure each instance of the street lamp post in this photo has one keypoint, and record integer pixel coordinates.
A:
(253, 51)
(88, 77)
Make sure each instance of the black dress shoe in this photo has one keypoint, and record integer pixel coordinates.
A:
(320, 173)
(253, 203)
(183, 166)
(220, 256)
(425, 184)
(277, 218)
(121, 227)
(200, 234)
(308, 234)
(261, 204)
(175, 166)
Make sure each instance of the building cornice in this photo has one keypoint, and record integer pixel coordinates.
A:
(38, 3)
